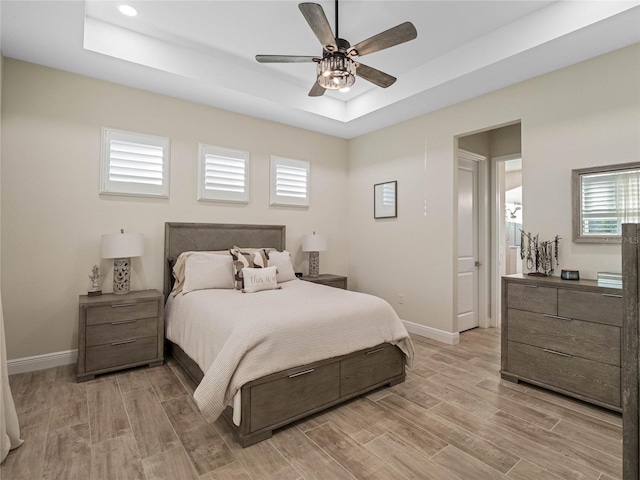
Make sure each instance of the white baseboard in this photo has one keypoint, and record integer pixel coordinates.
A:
(41, 362)
(432, 333)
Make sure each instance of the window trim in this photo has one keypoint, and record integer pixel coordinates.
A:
(576, 183)
(219, 195)
(109, 187)
(279, 200)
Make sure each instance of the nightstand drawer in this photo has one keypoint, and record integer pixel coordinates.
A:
(119, 330)
(121, 311)
(336, 284)
(124, 352)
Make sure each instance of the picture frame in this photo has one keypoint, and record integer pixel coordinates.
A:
(385, 200)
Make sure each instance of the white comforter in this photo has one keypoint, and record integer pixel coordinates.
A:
(238, 337)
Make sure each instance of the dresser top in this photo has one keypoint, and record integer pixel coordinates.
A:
(584, 285)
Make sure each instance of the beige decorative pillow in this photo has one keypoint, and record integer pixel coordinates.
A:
(204, 271)
(258, 279)
(179, 267)
(246, 259)
(282, 260)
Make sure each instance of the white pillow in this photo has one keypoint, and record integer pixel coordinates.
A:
(282, 260)
(257, 279)
(207, 270)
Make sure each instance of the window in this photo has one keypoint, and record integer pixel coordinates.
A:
(134, 164)
(289, 182)
(223, 174)
(603, 199)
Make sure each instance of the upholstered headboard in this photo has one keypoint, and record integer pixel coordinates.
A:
(186, 237)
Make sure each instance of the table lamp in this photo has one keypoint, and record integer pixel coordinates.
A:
(121, 247)
(314, 244)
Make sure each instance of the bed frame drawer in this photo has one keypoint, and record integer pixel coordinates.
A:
(570, 373)
(296, 393)
(370, 367)
(588, 340)
(124, 352)
(121, 311)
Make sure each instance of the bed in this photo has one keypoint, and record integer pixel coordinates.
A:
(272, 379)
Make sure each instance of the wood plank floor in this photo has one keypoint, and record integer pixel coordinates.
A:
(452, 419)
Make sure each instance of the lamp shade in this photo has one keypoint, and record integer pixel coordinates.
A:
(122, 245)
(314, 243)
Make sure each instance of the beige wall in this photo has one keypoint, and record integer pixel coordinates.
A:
(583, 115)
(53, 216)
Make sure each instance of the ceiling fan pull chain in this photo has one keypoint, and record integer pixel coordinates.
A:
(337, 34)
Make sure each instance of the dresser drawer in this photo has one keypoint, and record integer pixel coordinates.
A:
(123, 311)
(121, 353)
(595, 307)
(119, 330)
(574, 374)
(589, 340)
(271, 402)
(367, 368)
(532, 298)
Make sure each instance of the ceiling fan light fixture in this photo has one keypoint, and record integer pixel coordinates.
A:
(336, 71)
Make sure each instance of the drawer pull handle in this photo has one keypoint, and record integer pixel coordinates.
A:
(123, 342)
(556, 353)
(556, 316)
(123, 305)
(611, 295)
(375, 351)
(301, 373)
(123, 321)
(531, 286)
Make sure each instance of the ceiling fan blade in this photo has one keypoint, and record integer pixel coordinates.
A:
(285, 59)
(374, 76)
(317, 20)
(316, 90)
(389, 38)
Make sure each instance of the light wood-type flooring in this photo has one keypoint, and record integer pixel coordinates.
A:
(452, 419)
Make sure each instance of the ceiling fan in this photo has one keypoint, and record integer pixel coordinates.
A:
(336, 68)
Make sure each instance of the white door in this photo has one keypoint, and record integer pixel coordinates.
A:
(467, 244)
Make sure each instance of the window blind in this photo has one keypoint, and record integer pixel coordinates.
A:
(223, 174)
(289, 182)
(134, 164)
(389, 195)
(607, 200)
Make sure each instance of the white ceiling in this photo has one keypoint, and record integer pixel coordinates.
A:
(204, 51)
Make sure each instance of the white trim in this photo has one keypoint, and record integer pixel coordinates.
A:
(432, 333)
(42, 362)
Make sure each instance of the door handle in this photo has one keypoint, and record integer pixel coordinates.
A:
(477, 264)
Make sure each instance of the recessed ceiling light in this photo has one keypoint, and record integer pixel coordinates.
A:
(128, 10)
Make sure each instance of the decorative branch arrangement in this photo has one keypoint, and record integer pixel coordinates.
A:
(540, 255)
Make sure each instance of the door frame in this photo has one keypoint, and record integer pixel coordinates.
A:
(497, 214)
(482, 185)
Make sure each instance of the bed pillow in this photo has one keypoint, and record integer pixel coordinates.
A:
(257, 258)
(204, 271)
(258, 279)
(178, 267)
(282, 260)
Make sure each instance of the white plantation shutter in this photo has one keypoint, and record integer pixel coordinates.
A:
(134, 164)
(607, 200)
(223, 174)
(389, 194)
(289, 182)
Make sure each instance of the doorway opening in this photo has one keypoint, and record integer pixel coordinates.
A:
(499, 217)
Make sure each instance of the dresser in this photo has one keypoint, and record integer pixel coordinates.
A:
(563, 335)
(329, 279)
(119, 331)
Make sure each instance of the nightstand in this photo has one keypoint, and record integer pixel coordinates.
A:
(119, 331)
(329, 279)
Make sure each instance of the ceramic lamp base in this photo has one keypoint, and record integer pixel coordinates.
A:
(314, 264)
(121, 275)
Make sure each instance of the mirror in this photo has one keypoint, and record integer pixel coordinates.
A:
(385, 200)
(603, 199)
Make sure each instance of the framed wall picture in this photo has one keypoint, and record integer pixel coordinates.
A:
(385, 200)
